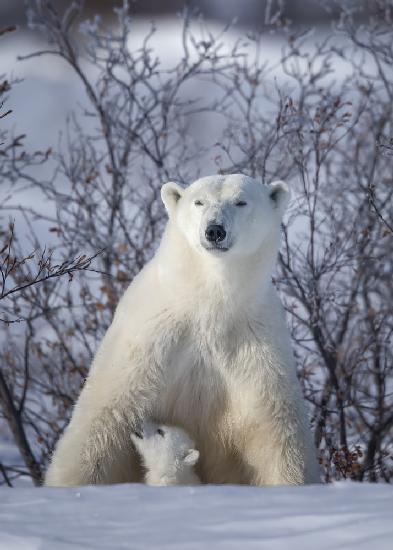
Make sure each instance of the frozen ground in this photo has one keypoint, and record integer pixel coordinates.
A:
(340, 516)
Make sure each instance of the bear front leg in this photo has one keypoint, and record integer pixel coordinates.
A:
(94, 451)
(96, 447)
(280, 450)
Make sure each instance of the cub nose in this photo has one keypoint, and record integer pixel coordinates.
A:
(215, 233)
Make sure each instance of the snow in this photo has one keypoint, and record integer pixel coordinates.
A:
(339, 516)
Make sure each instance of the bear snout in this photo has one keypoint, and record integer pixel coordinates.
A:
(215, 233)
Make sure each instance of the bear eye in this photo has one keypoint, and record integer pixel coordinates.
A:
(198, 203)
(161, 432)
(241, 203)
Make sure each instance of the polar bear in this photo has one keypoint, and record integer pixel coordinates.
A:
(167, 453)
(199, 341)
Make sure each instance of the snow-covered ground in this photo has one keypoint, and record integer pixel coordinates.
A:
(335, 517)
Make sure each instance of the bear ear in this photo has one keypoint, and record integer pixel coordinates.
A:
(191, 457)
(171, 193)
(279, 194)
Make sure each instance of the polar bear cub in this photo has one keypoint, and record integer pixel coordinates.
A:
(167, 453)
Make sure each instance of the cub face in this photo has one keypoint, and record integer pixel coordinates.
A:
(162, 446)
(226, 215)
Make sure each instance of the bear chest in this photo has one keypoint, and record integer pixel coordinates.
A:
(202, 375)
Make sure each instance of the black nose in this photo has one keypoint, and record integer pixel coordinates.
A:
(215, 233)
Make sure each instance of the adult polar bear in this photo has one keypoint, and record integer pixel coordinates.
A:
(199, 341)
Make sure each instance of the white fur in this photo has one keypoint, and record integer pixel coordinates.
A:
(167, 453)
(199, 341)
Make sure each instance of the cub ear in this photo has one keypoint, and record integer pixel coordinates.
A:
(280, 194)
(171, 193)
(191, 457)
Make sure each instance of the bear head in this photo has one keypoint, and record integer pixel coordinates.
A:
(164, 449)
(226, 215)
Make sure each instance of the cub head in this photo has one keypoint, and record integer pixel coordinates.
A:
(226, 215)
(164, 447)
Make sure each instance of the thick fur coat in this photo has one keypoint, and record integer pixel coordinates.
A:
(199, 341)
